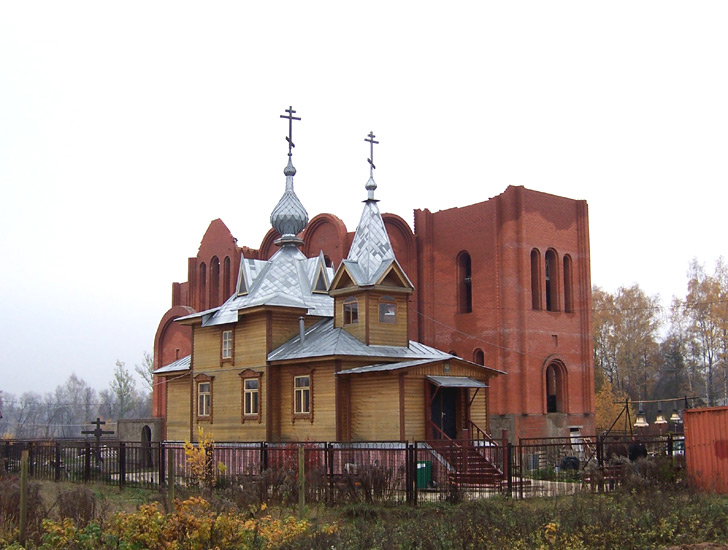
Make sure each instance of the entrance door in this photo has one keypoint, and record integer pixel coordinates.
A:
(444, 410)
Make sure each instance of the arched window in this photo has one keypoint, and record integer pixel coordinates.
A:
(202, 287)
(387, 310)
(214, 282)
(536, 279)
(552, 280)
(226, 280)
(351, 311)
(555, 387)
(568, 285)
(465, 283)
(479, 357)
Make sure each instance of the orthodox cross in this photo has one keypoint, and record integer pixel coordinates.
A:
(370, 139)
(291, 118)
(97, 433)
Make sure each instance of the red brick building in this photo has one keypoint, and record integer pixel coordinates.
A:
(505, 283)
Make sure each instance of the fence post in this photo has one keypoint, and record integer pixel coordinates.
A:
(57, 474)
(170, 478)
(31, 458)
(330, 470)
(509, 473)
(23, 494)
(301, 481)
(161, 463)
(413, 474)
(122, 464)
(87, 463)
(669, 444)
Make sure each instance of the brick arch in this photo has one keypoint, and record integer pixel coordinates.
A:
(267, 246)
(403, 242)
(555, 382)
(328, 233)
(169, 337)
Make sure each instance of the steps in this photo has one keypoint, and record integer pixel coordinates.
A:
(468, 465)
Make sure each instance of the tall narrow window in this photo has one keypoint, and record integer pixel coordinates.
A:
(251, 387)
(302, 395)
(552, 281)
(479, 357)
(227, 344)
(535, 279)
(202, 286)
(465, 283)
(204, 399)
(555, 387)
(568, 285)
(387, 310)
(226, 278)
(351, 311)
(214, 282)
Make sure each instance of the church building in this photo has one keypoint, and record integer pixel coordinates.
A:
(479, 320)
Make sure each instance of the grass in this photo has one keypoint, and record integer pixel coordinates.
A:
(638, 517)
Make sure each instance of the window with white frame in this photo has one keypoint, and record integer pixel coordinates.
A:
(251, 387)
(302, 394)
(227, 344)
(204, 399)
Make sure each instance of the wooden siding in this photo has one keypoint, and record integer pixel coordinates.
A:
(415, 408)
(206, 347)
(357, 330)
(388, 334)
(250, 341)
(375, 408)
(178, 409)
(323, 398)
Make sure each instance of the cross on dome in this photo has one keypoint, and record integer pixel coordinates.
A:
(291, 118)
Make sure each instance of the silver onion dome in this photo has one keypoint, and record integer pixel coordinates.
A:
(289, 217)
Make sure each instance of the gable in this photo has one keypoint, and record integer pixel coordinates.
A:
(343, 279)
(394, 277)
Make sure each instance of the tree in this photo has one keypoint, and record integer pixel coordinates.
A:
(706, 312)
(625, 339)
(122, 398)
(608, 405)
(146, 370)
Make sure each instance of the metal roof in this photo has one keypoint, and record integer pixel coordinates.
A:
(456, 382)
(323, 340)
(286, 280)
(175, 366)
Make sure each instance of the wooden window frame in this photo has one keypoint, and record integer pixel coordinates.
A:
(351, 311)
(385, 301)
(199, 380)
(223, 357)
(299, 373)
(246, 375)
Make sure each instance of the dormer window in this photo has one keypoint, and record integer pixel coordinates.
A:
(351, 311)
(387, 310)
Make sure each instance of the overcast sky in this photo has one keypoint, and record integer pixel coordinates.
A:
(126, 127)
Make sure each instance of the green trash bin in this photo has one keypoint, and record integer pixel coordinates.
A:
(424, 474)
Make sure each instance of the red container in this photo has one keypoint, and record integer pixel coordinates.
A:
(706, 448)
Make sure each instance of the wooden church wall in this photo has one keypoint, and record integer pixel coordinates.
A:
(375, 408)
(178, 408)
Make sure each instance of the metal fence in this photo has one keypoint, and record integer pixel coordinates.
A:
(355, 472)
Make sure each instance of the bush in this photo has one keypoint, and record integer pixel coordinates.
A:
(10, 510)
